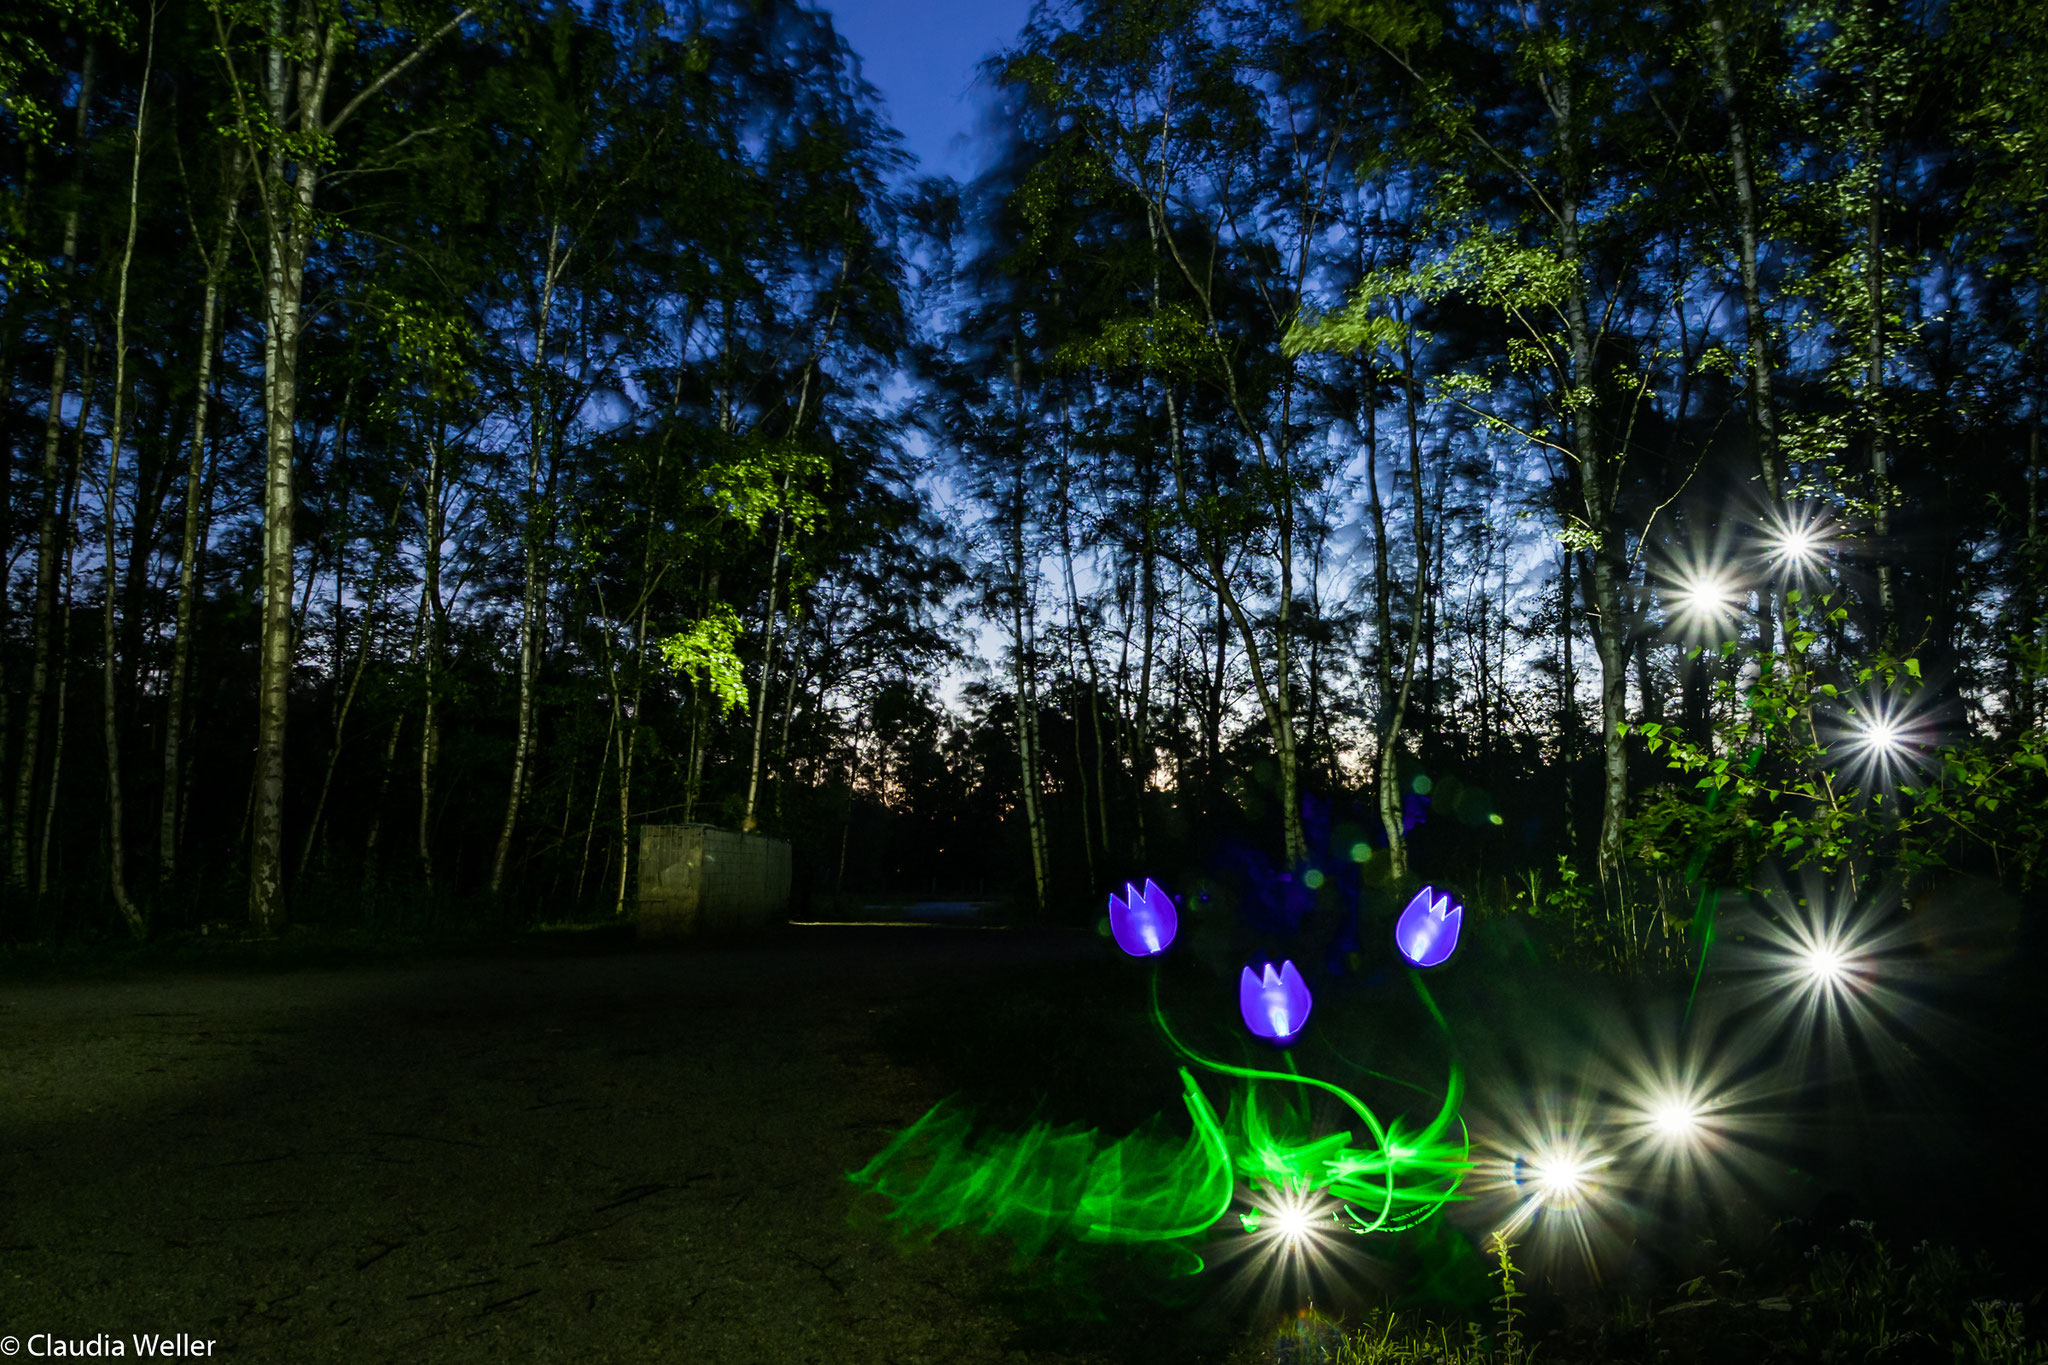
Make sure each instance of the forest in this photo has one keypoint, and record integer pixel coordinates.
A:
(1582, 453)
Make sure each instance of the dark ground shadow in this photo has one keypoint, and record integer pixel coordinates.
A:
(619, 1156)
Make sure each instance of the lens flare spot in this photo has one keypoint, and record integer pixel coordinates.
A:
(1796, 540)
(1675, 1120)
(1561, 1175)
(1823, 964)
(1291, 1223)
(1706, 597)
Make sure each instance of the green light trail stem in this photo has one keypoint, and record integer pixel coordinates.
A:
(1429, 1001)
(1331, 1161)
(1709, 902)
(1049, 1185)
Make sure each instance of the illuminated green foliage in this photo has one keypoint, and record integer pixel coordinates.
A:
(707, 651)
(1804, 797)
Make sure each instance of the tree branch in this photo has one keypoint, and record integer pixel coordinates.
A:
(394, 72)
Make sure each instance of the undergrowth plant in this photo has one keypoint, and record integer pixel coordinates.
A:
(1840, 767)
(1866, 1302)
(1510, 1339)
(1635, 925)
(1856, 1299)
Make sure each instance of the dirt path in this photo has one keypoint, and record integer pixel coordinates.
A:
(625, 1157)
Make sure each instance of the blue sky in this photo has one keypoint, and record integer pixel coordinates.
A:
(922, 54)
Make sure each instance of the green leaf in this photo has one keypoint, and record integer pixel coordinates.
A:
(706, 652)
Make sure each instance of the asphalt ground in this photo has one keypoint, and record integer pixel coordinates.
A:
(619, 1155)
(582, 1150)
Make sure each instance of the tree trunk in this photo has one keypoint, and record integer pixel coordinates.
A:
(430, 651)
(1649, 700)
(1212, 713)
(1763, 416)
(117, 880)
(57, 735)
(1280, 701)
(156, 467)
(604, 762)
(628, 721)
(1874, 407)
(294, 65)
(345, 701)
(1762, 410)
(63, 643)
(796, 425)
(1022, 629)
(1433, 596)
(767, 661)
(1077, 630)
(1148, 550)
(1148, 608)
(188, 553)
(1315, 724)
(47, 569)
(1027, 734)
(1386, 761)
(2031, 624)
(389, 765)
(1392, 798)
(1087, 642)
(1487, 686)
(10, 330)
(530, 596)
(629, 741)
(788, 713)
(1608, 566)
(288, 209)
(695, 781)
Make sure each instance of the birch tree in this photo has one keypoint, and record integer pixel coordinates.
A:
(280, 111)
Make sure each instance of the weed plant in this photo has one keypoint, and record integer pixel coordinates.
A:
(1852, 1297)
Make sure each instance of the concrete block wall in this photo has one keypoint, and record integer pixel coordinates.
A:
(698, 879)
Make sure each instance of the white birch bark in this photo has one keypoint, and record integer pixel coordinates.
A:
(117, 880)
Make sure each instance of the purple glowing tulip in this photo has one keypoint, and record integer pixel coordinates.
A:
(1427, 932)
(1275, 1005)
(1143, 924)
